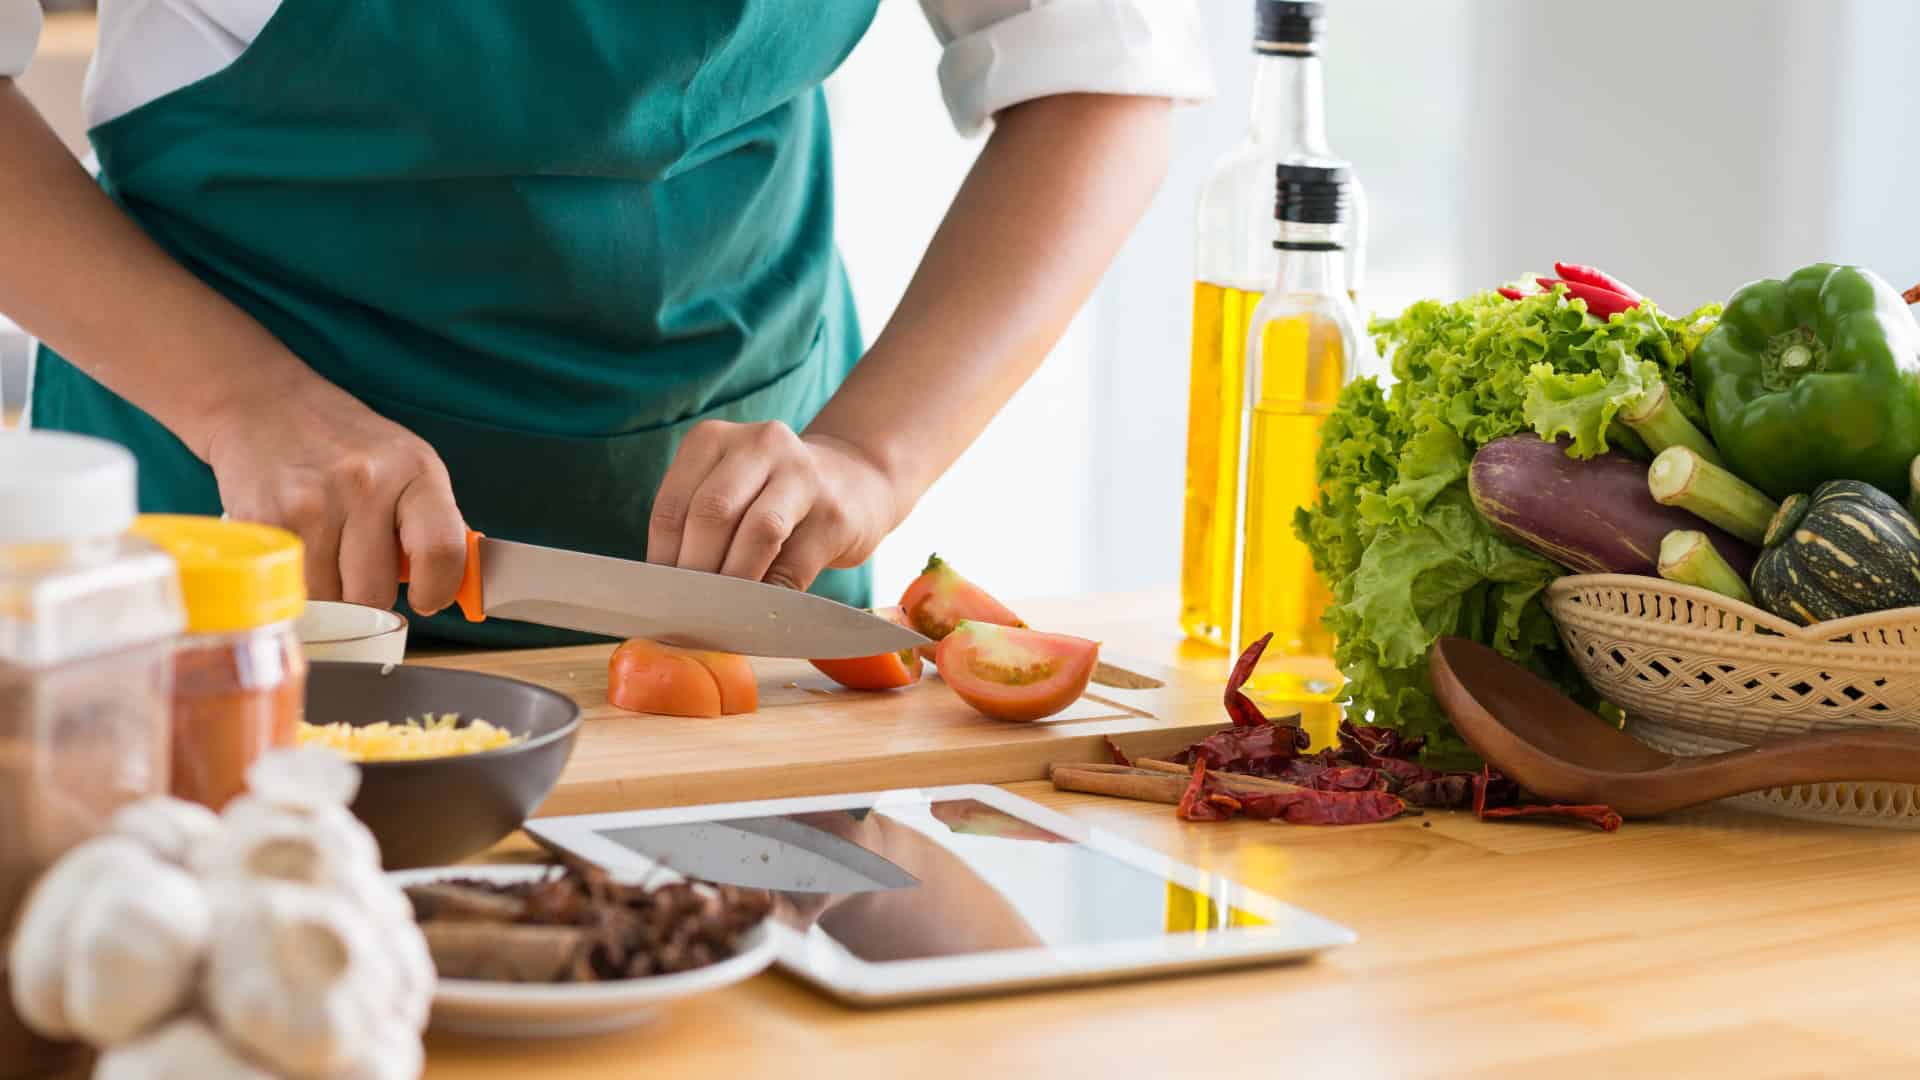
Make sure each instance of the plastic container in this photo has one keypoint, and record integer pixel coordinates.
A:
(239, 677)
(88, 616)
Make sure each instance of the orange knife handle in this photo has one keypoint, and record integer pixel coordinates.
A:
(473, 603)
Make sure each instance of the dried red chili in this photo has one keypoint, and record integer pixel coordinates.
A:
(1119, 756)
(1205, 800)
(1239, 706)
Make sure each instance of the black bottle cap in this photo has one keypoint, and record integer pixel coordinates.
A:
(1311, 194)
(1287, 26)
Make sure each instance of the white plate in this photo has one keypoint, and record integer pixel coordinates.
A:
(558, 1010)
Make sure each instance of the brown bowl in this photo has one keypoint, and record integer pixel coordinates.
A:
(437, 811)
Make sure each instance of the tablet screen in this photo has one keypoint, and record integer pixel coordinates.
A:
(910, 879)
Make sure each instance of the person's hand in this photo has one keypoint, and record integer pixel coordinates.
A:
(760, 502)
(321, 464)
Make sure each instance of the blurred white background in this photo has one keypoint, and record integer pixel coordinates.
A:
(1687, 147)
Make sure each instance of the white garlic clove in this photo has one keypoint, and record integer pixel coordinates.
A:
(184, 1049)
(170, 828)
(395, 1055)
(134, 950)
(42, 949)
(304, 846)
(299, 978)
(310, 777)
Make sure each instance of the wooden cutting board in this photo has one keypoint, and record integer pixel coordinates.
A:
(812, 737)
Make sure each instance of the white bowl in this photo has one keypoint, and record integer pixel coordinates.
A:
(335, 631)
(567, 1010)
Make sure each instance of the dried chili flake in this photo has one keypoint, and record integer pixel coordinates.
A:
(1119, 756)
(1310, 807)
(1240, 707)
(1194, 804)
(1604, 818)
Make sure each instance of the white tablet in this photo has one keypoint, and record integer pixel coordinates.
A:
(939, 892)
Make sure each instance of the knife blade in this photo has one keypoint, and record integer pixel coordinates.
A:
(597, 594)
(780, 854)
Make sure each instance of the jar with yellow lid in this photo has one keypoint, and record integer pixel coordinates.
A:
(239, 678)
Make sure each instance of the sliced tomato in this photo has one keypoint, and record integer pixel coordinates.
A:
(1015, 674)
(939, 599)
(646, 676)
(733, 674)
(888, 671)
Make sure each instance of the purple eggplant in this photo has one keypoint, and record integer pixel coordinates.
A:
(1592, 515)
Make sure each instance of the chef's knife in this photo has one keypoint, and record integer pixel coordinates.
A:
(765, 853)
(622, 598)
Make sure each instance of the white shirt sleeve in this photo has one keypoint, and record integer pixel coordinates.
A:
(999, 53)
(19, 35)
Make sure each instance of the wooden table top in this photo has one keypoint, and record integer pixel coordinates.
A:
(1714, 943)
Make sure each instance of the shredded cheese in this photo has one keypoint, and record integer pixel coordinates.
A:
(410, 740)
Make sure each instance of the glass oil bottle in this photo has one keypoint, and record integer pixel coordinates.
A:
(1305, 344)
(1234, 261)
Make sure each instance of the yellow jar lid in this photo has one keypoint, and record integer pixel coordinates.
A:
(233, 575)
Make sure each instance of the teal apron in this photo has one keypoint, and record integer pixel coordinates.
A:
(547, 237)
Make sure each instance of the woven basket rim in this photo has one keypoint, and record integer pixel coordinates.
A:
(1823, 633)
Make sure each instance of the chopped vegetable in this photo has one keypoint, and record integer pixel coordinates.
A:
(1595, 516)
(1815, 378)
(888, 671)
(1680, 477)
(939, 599)
(1394, 531)
(409, 740)
(647, 677)
(1013, 674)
(1848, 550)
(1688, 557)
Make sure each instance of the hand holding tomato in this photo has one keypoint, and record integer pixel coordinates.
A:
(759, 502)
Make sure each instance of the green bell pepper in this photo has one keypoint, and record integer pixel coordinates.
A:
(1814, 378)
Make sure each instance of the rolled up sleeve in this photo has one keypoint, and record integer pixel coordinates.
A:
(999, 53)
(19, 35)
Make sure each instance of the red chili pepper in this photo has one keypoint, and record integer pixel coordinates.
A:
(1911, 296)
(1604, 818)
(1511, 293)
(1601, 303)
(1239, 706)
(1119, 756)
(1599, 279)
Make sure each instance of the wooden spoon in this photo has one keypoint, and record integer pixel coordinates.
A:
(1552, 747)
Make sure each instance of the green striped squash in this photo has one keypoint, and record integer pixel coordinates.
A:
(1847, 549)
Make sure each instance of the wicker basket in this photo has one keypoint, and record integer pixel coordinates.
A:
(1698, 673)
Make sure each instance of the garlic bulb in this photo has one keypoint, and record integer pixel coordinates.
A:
(110, 942)
(183, 1049)
(301, 979)
(170, 828)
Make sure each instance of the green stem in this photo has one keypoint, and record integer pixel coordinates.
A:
(1688, 557)
(1681, 477)
(1658, 421)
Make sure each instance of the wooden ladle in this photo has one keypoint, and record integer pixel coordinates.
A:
(1526, 728)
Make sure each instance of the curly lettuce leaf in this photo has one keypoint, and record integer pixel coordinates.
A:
(1394, 530)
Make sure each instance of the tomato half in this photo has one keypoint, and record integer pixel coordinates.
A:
(888, 671)
(939, 599)
(1016, 674)
(646, 676)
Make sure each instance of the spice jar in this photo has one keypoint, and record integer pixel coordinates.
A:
(239, 678)
(88, 616)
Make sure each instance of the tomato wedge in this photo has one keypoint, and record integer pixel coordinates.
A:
(888, 671)
(1011, 673)
(939, 599)
(645, 676)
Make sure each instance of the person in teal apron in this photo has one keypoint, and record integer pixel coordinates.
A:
(561, 272)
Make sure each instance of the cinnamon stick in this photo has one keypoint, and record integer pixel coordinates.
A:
(1120, 782)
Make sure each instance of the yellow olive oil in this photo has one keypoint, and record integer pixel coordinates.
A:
(1222, 316)
(1303, 367)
